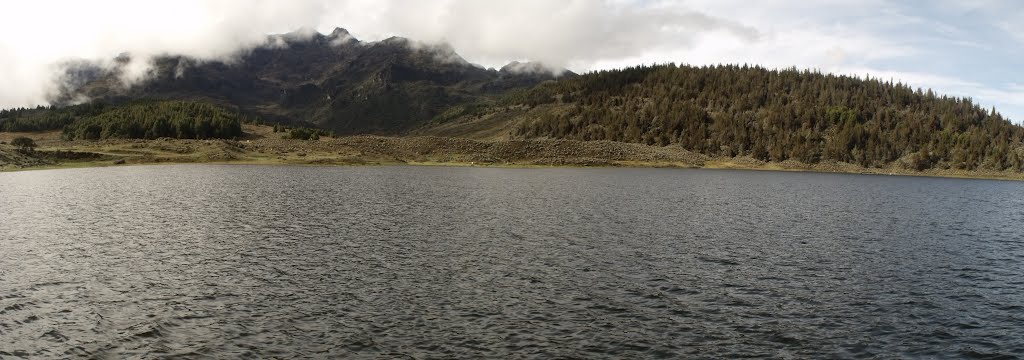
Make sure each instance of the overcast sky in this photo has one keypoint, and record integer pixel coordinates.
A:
(963, 48)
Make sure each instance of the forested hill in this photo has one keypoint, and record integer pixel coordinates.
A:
(772, 115)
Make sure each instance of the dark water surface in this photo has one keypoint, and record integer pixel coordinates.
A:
(427, 262)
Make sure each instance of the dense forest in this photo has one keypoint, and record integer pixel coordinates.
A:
(140, 120)
(150, 120)
(44, 118)
(772, 115)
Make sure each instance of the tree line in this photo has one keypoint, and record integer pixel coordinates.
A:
(151, 120)
(771, 115)
(45, 118)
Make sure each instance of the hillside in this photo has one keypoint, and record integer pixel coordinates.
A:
(769, 115)
(331, 81)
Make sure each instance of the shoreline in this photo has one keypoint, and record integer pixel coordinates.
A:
(715, 165)
(263, 147)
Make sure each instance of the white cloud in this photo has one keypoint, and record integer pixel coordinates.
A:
(41, 33)
(557, 32)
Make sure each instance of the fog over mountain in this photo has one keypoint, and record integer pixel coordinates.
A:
(883, 39)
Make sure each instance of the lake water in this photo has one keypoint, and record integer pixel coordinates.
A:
(214, 261)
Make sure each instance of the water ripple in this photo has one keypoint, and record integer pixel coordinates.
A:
(412, 262)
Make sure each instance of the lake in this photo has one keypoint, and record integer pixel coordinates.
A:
(203, 261)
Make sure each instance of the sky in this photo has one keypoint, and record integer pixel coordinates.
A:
(960, 48)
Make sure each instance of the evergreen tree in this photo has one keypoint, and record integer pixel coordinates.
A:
(771, 115)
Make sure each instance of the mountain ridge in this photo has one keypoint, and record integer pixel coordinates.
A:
(333, 81)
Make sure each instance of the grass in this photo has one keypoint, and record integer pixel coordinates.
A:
(262, 146)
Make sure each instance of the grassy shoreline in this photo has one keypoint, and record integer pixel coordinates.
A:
(263, 147)
(715, 165)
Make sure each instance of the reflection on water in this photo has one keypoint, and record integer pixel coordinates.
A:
(242, 261)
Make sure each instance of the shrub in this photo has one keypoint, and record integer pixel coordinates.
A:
(23, 142)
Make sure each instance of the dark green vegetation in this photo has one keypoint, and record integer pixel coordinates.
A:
(317, 85)
(766, 114)
(23, 143)
(136, 120)
(45, 118)
(308, 134)
(151, 120)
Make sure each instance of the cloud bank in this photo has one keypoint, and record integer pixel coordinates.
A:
(952, 47)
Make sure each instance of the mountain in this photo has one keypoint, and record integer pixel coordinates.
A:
(770, 115)
(331, 81)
